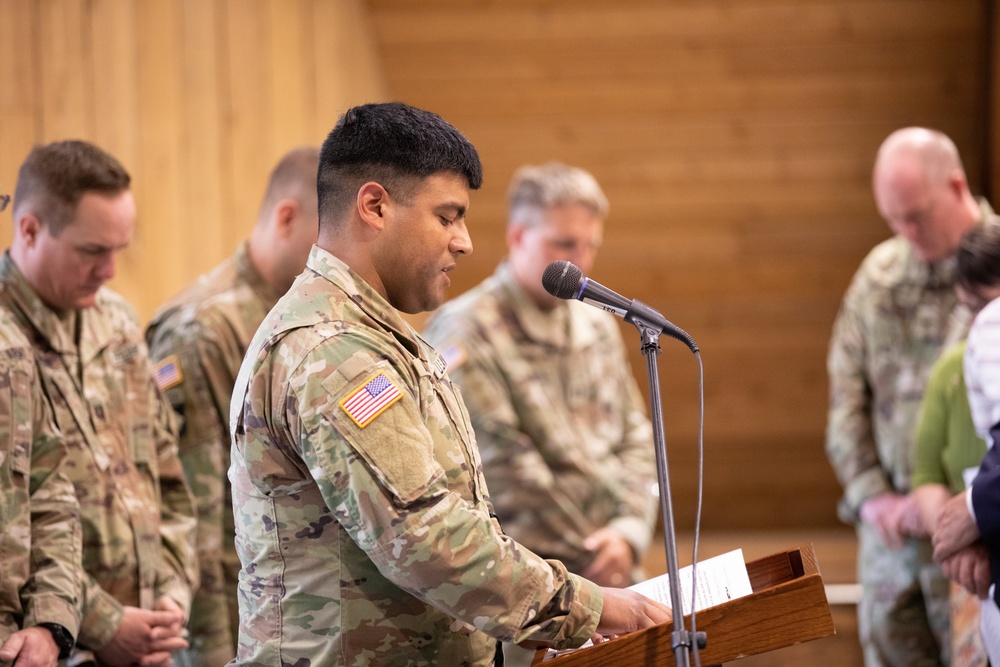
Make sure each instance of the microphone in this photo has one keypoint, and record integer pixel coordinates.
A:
(565, 280)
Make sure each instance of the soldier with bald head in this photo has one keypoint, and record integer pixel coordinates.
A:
(198, 339)
(899, 313)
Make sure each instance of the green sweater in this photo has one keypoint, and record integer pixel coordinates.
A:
(946, 442)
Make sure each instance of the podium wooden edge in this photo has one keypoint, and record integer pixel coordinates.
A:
(788, 606)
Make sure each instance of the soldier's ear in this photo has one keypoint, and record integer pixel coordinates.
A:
(373, 200)
(285, 213)
(515, 232)
(29, 227)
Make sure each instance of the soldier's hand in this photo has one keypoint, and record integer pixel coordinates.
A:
(31, 647)
(168, 604)
(144, 637)
(970, 568)
(911, 521)
(955, 528)
(627, 611)
(613, 559)
(884, 512)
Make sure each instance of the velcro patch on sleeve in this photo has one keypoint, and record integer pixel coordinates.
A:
(168, 373)
(371, 399)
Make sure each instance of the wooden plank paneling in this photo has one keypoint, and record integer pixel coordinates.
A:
(64, 47)
(342, 35)
(20, 93)
(251, 106)
(202, 142)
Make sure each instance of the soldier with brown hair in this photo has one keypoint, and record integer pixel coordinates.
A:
(73, 214)
(39, 517)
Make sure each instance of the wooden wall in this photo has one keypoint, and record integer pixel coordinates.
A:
(197, 98)
(735, 141)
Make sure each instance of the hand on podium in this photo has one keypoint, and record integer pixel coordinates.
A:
(624, 611)
(627, 611)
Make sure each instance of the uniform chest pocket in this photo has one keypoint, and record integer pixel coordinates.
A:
(16, 427)
(130, 391)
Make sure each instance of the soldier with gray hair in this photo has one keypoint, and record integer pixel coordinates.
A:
(567, 448)
(898, 314)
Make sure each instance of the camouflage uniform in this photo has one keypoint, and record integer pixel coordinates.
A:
(566, 445)
(39, 516)
(199, 339)
(897, 316)
(362, 519)
(135, 507)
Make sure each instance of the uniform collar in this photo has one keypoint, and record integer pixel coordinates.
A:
(568, 325)
(249, 274)
(363, 295)
(58, 332)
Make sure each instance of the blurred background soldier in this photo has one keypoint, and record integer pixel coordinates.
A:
(199, 339)
(900, 312)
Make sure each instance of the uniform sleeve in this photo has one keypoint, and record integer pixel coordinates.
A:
(385, 486)
(200, 399)
(53, 592)
(850, 442)
(102, 614)
(177, 575)
(932, 431)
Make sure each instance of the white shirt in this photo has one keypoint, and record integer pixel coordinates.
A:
(982, 369)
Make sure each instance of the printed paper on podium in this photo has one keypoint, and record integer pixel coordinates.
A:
(720, 579)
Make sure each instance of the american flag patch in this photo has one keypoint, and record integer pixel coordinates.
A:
(168, 373)
(370, 400)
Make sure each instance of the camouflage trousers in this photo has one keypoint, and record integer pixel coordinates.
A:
(903, 615)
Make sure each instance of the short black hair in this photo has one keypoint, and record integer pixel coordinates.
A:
(978, 256)
(393, 144)
(54, 177)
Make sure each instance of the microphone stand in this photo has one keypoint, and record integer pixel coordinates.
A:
(650, 334)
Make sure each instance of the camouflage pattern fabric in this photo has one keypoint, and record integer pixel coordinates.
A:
(40, 538)
(897, 316)
(567, 448)
(199, 339)
(135, 506)
(363, 522)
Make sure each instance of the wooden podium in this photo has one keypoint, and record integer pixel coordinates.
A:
(788, 606)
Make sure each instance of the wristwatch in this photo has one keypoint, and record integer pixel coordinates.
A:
(62, 638)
